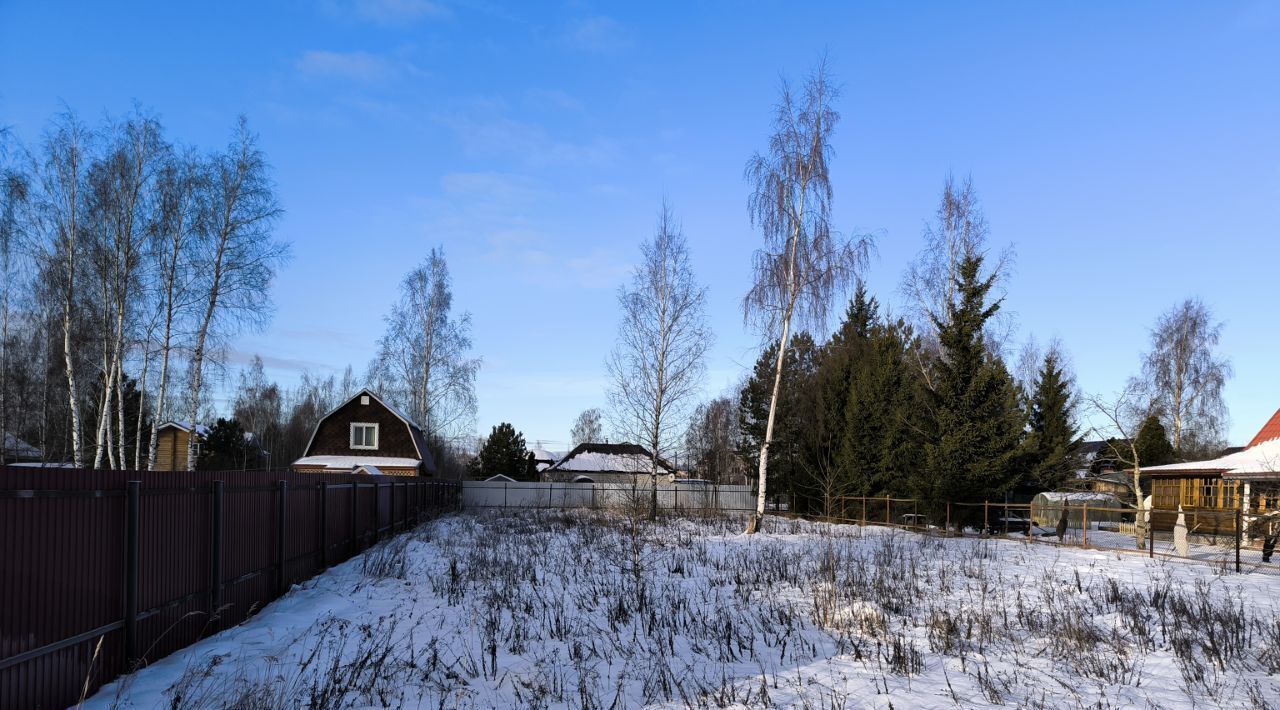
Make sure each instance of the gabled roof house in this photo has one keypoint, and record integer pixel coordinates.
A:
(608, 463)
(366, 432)
(1244, 480)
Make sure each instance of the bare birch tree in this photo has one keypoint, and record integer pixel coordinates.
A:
(120, 183)
(423, 360)
(14, 195)
(959, 231)
(236, 258)
(1123, 415)
(804, 263)
(1185, 377)
(179, 188)
(61, 174)
(587, 428)
(657, 363)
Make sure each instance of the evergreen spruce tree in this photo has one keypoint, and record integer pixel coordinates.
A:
(794, 412)
(881, 447)
(1152, 444)
(826, 475)
(973, 452)
(1052, 443)
(504, 454)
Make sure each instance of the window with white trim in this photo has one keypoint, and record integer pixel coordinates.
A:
(364, 436)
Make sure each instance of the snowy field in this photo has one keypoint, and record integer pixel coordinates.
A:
(546, 609)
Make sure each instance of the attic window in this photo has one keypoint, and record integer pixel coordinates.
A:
(364, 399)
(364, 436)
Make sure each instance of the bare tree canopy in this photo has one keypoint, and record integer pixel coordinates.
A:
(423, 361)
(959, 231)
(657, 363)
(1122, 416)
(804, 263)
(713, 441)
(587, 428)
(1185, 377)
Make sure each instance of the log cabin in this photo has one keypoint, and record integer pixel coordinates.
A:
(367, 432)
(171, 444)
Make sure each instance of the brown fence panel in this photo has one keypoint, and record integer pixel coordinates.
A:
(64, 582)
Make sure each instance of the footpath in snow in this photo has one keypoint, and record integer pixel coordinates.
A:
(548, 609)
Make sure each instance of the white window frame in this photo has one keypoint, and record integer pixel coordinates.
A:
(352, 439)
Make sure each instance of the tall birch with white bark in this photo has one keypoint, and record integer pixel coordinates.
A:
(804, 263)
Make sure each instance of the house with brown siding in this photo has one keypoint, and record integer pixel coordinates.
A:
(1244, 480)
(171, 444)
(367, 432)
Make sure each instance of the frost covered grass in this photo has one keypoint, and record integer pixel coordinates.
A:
(546, 609)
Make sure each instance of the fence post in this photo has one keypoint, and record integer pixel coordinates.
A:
(377, 509)
(133, 508)
(355, 490)
(281, 506)
(986, 517)
(1239, 532)
(947, 529)
(1084, 525)
(215, 557)
(887, 520)
(391, 508)
(864, 511)
(1151, 537)
(593, 496)
(324, 524)
(504, 495)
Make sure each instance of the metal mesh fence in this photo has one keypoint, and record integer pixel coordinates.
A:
(1224, 538)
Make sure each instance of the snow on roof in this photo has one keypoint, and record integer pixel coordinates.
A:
(1077, 497)
(543, 455)
(17, 448)
(369, 470)
(610, 458)
(201, 429)
(499, 479)
(1258, 460)
(348, 463)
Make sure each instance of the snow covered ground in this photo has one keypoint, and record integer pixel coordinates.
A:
(545, 609)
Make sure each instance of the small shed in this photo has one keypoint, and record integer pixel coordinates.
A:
(1046, 508)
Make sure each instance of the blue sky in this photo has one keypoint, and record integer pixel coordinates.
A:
(1129, 151)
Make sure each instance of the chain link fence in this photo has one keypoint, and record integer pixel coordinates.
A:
(1224, 538)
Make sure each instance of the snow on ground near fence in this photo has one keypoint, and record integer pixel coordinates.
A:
(545, 608)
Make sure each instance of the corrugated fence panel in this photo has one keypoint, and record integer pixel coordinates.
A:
(64, 561)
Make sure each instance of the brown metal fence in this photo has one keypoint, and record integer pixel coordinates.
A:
(1220, 537)
(102, 571)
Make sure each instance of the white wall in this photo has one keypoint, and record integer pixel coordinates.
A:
(497, 494)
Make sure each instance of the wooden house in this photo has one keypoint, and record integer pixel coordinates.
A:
(608, 463)
(171, 444)
(1219, 487)
(367, 432)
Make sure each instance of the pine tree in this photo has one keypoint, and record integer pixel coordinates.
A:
(226, 448)
(1052, 443)
(1152, 444)
(503, 454)
(978, 426)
